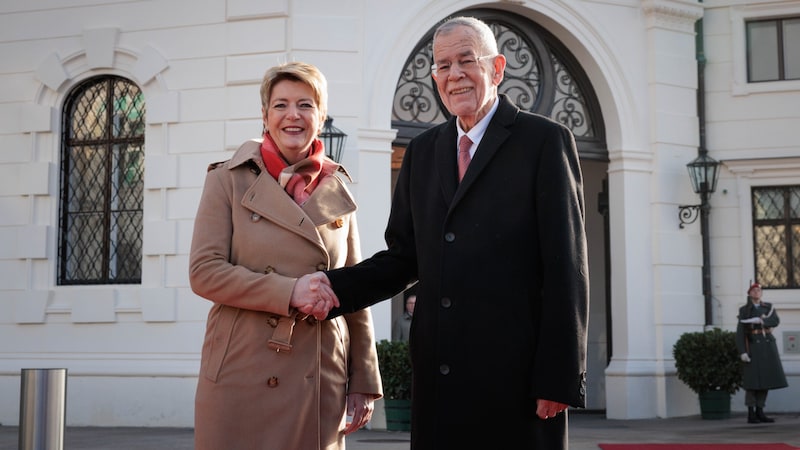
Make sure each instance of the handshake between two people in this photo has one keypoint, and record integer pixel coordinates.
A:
(313, 295)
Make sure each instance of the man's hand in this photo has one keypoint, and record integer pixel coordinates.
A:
(312, 295)
(547, 409)
(745, 357)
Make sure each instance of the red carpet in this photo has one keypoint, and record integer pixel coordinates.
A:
(696, 447)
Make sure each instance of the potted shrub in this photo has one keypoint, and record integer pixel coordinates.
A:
(395, 366)
(708, 363)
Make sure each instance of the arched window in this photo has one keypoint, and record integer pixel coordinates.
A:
(102, 183)
(541, 76)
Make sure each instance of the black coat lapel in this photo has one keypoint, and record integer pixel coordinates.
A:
(496, 134)
(446, 166)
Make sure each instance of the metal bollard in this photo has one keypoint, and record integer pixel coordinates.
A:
(42, 409)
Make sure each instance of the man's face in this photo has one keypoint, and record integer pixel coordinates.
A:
(466, 79)
(410, 303)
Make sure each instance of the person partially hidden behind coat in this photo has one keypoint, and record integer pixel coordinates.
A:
(498, 247)
(756, 344)
(270, 377)
(401, 327)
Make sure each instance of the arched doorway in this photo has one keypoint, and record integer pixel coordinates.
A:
(542, 76)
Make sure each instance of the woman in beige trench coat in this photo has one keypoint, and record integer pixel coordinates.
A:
(271, 378)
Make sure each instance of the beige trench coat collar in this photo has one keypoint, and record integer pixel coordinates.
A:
(330, 201)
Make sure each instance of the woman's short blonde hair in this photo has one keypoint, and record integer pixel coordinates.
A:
(297, 71)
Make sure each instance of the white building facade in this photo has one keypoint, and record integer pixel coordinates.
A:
(132, 348)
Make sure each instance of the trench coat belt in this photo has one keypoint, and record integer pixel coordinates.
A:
(282, 335)
(760, 331)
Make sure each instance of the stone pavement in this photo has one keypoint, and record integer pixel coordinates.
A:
(586, 431)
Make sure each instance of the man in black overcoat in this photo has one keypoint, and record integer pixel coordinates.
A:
(498, 339)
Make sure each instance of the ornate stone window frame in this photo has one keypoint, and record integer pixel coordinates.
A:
(760, 173)
(739, 16)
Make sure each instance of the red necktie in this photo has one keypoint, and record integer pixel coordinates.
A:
(463, 155)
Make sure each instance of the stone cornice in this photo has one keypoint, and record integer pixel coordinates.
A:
(676, 15)
(754, 165)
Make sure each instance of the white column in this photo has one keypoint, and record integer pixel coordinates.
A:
(373, 193)
(656, 288)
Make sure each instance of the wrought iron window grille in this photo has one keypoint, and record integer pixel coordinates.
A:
(102, 183)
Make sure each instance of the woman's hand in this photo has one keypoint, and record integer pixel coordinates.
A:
(313, 295)
(359, 407)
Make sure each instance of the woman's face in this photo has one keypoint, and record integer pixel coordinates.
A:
(292, 119)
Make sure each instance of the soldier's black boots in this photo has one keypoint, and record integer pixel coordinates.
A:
(762, 417)
(756, 415)
(751, 415)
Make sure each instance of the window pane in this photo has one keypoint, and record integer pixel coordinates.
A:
(762, 45)
(767, 204)
(770, 256)
(794, 203)
(87, 116)
(791, 48)
(796, 254)
(85, 162)
(128, 181)
(128, 110)
(126, 261)
(84, 253)
(776, 236)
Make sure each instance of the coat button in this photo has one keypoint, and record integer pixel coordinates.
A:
(444, 369)
(269, 269)
(446, 302)
(272, 321)
(272, 382)
(449, 236)
(255, 217)
(322, 266)
(338, 223)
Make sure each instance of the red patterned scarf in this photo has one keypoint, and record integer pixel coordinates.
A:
(300, 179)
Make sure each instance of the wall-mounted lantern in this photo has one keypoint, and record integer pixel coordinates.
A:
(703, 173)
(333, 138)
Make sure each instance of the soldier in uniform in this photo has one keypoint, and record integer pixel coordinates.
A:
(756, 344)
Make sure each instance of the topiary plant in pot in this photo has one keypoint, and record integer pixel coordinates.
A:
(395, 366)
(708, 363)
